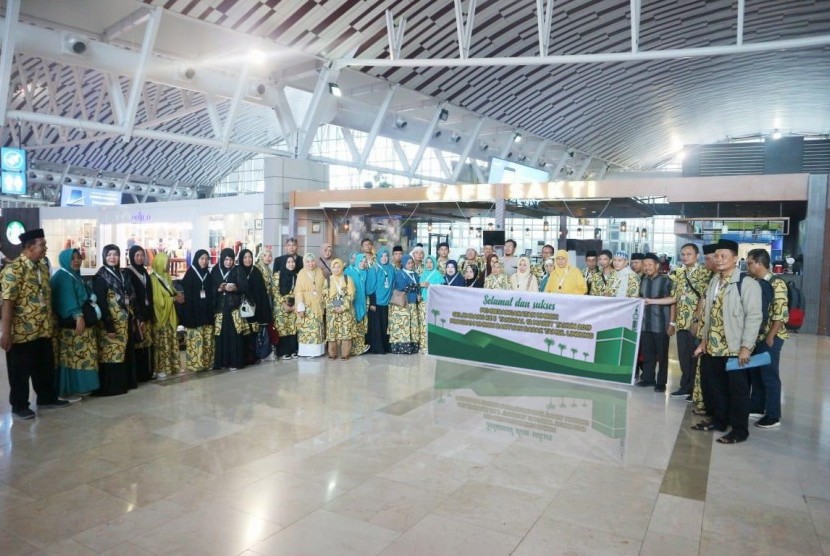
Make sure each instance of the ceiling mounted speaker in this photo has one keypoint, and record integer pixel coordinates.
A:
(74, 45)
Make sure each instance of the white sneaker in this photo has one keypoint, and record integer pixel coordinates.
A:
(755, 415)
(161, 375)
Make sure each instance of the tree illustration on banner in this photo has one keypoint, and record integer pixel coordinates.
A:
(574, 350)
(444, 323)
(562, 349)
(549, 342)
(435, 313)
(585, 353)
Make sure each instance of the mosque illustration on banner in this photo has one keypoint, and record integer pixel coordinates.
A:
(614, 354)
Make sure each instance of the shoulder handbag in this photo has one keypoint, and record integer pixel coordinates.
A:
(398, 298)
(247, 309)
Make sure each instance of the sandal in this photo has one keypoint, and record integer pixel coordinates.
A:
(705, 426)
(344, 358)
(731, 438)
(701, 412)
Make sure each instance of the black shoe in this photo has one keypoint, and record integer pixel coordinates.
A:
(768, 423)
(679, 394)
(644, 383)
(24, 414)
(707, 426)
(660, 388)
(57, 403)
(689, 399)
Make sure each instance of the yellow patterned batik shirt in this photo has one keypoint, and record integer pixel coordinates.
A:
(605, 286)
(684, 283)
(778, 310)
(26, 283)
(717, 345)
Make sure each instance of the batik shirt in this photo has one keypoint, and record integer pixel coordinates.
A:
(716, 344)
(605, 286)
(778, 311)
(684, 283)
(26, 283)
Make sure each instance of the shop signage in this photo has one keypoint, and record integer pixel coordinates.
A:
(575, 335)
(140, 218)
(527, 190)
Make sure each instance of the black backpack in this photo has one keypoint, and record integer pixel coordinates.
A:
(767, 296)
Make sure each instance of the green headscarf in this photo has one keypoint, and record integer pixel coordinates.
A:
(68, 290)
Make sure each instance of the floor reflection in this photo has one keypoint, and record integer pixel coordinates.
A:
(555, 415)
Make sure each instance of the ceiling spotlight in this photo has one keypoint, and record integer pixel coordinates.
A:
(437, 133)
(335, 91)
(542, 163)
(517, 137)
(257, 89)
(444, 114)
(74, 45)
(522, 157)
(455, 138)
(187, 73)
(776, 134)
(400, 123)
(483, 146)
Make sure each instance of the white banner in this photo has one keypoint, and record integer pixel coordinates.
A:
(576, 335)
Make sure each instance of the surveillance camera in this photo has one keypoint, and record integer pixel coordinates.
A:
(400, 123)
(74, 45)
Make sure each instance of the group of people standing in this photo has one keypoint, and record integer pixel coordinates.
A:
(71, 338)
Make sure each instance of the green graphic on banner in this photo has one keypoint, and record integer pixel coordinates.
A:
(551, 334)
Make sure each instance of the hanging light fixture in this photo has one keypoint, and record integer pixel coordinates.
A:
(545, 225)
(644, 233)
(490, 225)
(623, 226)
(429, 225)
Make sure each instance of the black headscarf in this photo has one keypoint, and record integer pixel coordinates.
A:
(456, 279)
(196, 310)
(143, 300)
(221, 274)
(252, 286)
(111, 278)
(475, 282)
(112, 275)
(287, 281)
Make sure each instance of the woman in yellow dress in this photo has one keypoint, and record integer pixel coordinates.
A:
(566, 278)
(308, 295)
(340, 322)
(165, 297)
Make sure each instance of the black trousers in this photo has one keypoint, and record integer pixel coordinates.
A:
(729, 395)
(686, 344)
(31, 360)
(655, 349)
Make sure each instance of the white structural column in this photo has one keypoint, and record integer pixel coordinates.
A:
(119, 109)
(741, 9)
(395, 33)
(635, 25)
(288, 126)
(373, 133)
(468, 147)
(464, 27)
(140, 75)
(213, 116)
(7, 54)
(419, 155)
(312, 117)
(230, 119)
(544, 16)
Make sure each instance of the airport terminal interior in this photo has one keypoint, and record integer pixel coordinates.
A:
(633, 126)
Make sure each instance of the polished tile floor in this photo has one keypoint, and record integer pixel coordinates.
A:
(412, 455)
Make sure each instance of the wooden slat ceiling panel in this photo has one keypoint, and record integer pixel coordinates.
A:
(631, 114)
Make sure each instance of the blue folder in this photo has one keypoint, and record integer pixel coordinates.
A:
(757, 360)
